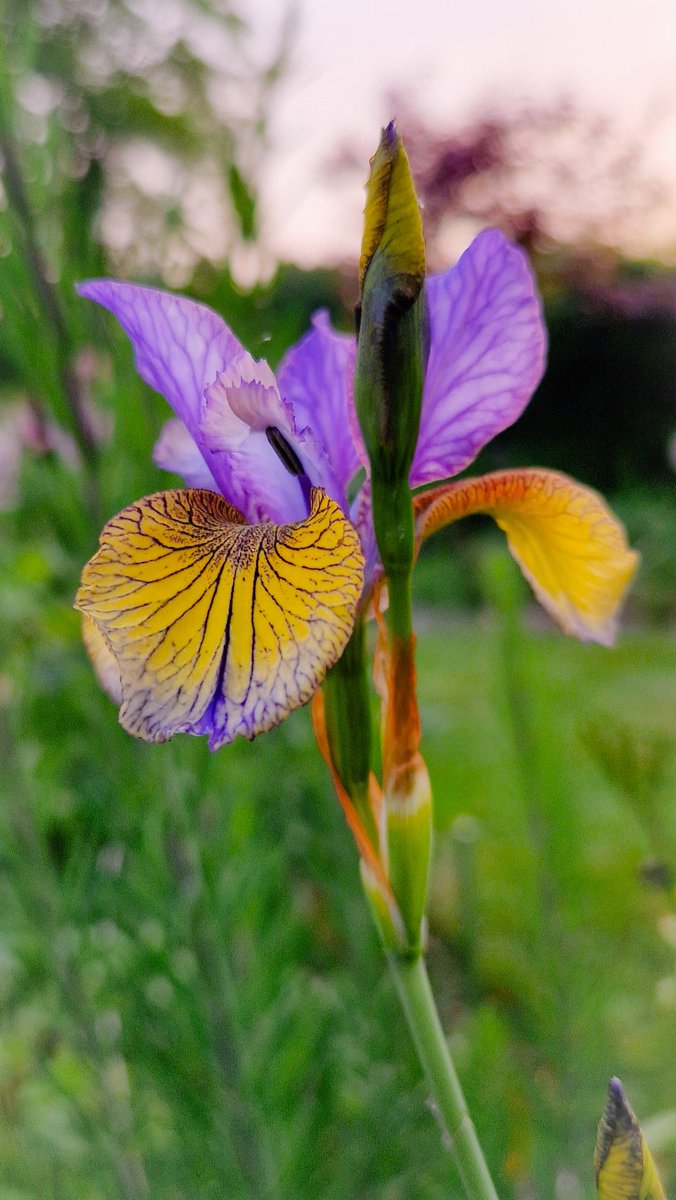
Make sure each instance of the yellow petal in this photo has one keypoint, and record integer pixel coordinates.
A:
(102, 659)
(570, 547)
(217, 626)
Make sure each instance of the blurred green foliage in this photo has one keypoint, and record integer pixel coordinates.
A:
(193, 1003)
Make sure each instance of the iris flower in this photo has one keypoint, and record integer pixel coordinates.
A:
(218, 609)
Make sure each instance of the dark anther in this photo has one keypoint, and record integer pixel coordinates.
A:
(286, 455)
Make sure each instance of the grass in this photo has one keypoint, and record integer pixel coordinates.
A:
(192, 1001)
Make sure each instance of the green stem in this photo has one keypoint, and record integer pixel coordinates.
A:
(399, 615)
(348, 723)
(395, 534)
(416, 997)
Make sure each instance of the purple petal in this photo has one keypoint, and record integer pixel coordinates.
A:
(251, 478)
(175, 450)
(179, 345)
(180, 349)
(316, 376)
(241, 399)
(239, 408)
(255, 481)
(361, 515)
(487, 355)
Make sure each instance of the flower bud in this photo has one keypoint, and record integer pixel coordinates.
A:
(405, 816)
(390, 363)
(623, 1163)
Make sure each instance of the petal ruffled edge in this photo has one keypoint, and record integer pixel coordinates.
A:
(570, 547)
(240, 410)
(102, 659)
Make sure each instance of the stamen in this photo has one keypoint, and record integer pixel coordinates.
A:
(285, 453)
(290, 461)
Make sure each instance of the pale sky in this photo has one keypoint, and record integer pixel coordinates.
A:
(449, 56)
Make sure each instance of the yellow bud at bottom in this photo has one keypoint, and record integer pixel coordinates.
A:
(624, 1166)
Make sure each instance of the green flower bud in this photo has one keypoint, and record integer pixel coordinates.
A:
(391, 339)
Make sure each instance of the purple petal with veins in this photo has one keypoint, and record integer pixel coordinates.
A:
(180, 348)
(179, 345)
(255, 481)
(238, 407)
(361, 516)
(243, 398)
(316, 377)
(487, 355)
(175, 450)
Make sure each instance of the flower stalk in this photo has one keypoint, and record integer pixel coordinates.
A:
(390, 366)
(417, 1000)
(219, 608)
(388, 386)
(402, 943)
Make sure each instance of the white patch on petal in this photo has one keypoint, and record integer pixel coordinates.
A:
(249, 370)
(220, 427)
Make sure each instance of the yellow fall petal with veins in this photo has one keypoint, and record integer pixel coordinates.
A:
(217, 626)
(102, 659)
(570, 547)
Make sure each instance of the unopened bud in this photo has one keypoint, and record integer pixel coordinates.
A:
(624, 1166)
(391, 351)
